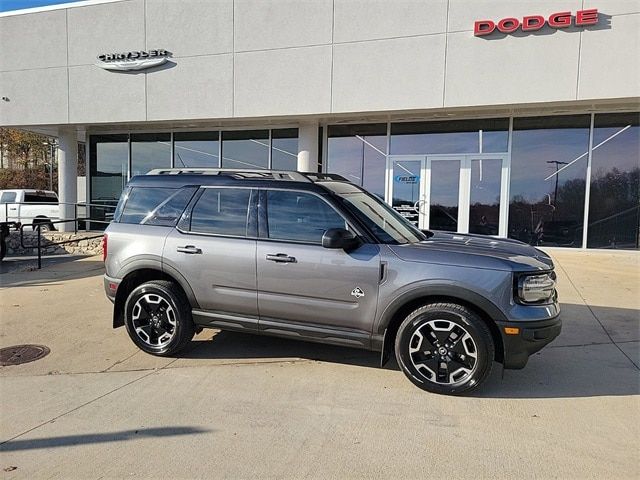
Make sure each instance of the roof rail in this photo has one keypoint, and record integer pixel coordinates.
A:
(255, 174)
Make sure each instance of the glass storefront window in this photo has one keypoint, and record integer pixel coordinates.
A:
(108, 167)
(445, 190)
(284, 149)
(614, 198)
(484, 203)
(455, 136)
(149, 151)
(245, 149)
(548, 179)
(196, 149)
(358, 153)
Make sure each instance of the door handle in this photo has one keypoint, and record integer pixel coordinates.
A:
(280, 258)
(13, 208)
(189, 249)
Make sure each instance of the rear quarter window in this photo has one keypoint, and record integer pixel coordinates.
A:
(155, 206)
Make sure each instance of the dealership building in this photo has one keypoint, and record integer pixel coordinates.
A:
(515, 119)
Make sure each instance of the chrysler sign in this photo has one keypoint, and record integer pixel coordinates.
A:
(135, 60)
(532, 23)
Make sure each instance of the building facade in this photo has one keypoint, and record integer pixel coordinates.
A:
(514, 119)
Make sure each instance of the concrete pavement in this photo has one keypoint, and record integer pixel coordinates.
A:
(239, 406)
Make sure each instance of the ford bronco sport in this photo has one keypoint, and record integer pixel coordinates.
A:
(316, 258)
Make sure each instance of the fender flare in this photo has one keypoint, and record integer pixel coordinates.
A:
(150, 262)
(423, 290)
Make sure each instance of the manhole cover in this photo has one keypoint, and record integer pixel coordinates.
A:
(22, 354)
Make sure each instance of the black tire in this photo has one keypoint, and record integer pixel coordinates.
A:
(44, 226)
(435, 345)
(3, 247)
(171, 315)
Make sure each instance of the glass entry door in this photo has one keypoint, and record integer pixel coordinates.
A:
(406, 185)
(455, 193)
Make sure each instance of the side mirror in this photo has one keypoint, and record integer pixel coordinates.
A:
(340, 238)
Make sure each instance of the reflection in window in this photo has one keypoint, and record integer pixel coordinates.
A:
(456, 136)
(358, 153)
(108, 166)
(149, 151)
(548, 171)
(221, 211)
(614, 199)
(484, 208)
(196, 149)
(245, 149)
(445, 189)
(300, 217)
(284, 149)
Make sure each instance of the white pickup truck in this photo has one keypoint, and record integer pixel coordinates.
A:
(29, 207)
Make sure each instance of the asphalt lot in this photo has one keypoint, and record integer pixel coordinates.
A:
(238, 406)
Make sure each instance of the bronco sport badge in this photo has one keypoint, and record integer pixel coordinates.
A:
(357, 292)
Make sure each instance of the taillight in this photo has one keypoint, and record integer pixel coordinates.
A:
(104, 247)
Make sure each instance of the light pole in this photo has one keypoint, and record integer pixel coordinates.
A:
(555, 192)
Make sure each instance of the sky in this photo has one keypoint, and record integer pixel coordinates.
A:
(6, 5)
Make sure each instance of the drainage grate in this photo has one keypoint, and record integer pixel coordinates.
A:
(22, 354)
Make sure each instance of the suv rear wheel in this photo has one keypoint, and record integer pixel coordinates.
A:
(445, 348)
(158, 318)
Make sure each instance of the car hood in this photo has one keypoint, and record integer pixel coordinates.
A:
(477, 251)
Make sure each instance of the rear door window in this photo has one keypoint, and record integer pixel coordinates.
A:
(222, 211)
(155, 206)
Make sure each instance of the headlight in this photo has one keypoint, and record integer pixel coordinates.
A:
(537, 288)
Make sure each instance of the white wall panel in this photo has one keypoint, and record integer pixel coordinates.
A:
(263, 24)
(376, 19)
(609, 66)
(389, 74)
(97, 95)
(195, 87)
(105, 28)
(281, 82)
(37, 40)
(484, 71)
(35, 97)
(190, 27)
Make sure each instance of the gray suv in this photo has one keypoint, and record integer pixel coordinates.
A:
(314, 257)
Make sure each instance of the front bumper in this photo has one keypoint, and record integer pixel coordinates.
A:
(532, 337)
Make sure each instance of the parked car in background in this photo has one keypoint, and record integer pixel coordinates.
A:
(29, 207)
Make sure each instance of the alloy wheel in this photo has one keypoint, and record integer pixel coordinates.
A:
(443, 352)
(154, 320)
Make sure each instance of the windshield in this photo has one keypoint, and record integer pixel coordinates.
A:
(385, 223)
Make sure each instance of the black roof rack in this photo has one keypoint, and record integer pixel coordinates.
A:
(288, 175)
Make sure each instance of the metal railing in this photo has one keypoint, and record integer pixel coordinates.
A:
(37, 226)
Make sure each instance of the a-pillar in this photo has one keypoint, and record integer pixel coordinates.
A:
(308, 147)
(67, 176)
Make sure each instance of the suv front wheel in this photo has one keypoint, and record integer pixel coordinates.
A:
(158, 318)
(445, 348)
